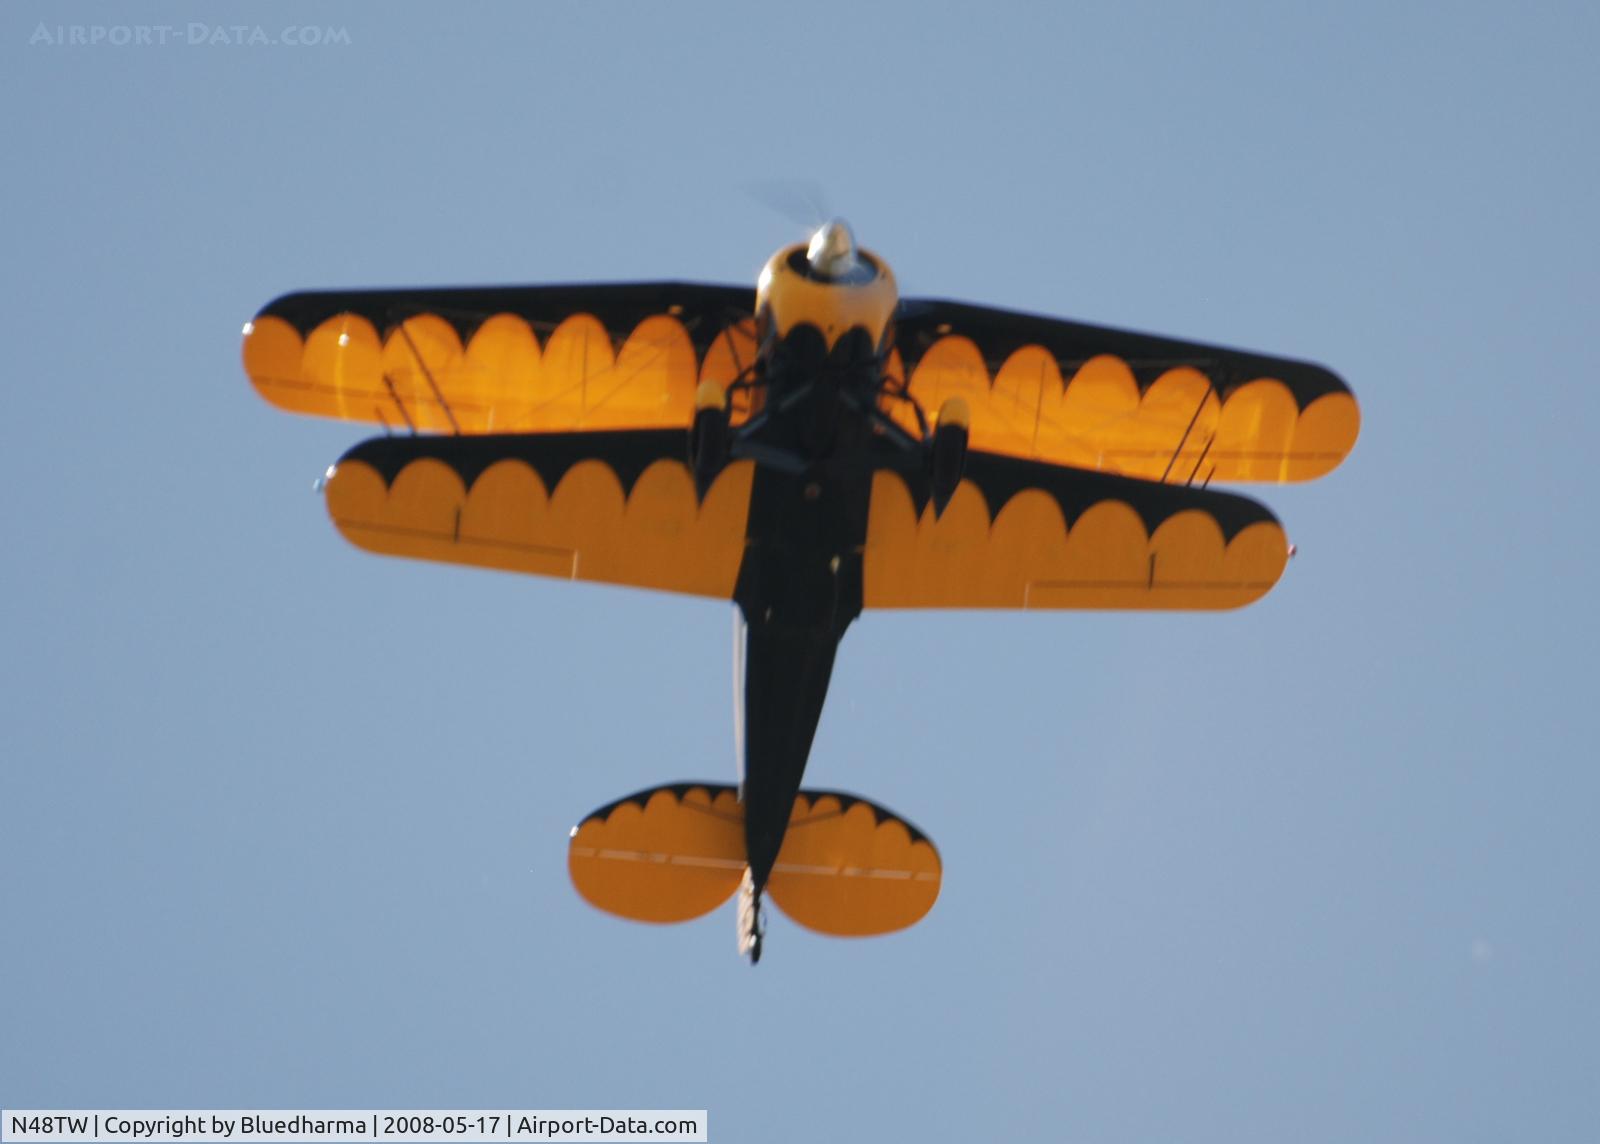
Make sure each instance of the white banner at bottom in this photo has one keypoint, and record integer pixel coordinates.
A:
(324, 1126)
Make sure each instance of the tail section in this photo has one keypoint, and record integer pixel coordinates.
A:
(847, 867)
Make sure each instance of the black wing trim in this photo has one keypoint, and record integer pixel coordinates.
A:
(705, 310)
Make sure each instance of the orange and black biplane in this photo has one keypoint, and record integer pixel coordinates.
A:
(815, 448)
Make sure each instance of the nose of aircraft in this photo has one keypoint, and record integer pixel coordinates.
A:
(833, 249)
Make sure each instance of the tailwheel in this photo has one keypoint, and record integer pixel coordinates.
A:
(947, 451)
(751, 918)
(708, 438)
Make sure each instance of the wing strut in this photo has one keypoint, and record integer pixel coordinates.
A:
(455, 426)
(1184, 440)
(398, 404)
(1195, 472)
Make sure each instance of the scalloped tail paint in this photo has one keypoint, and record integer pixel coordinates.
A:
(848, 867)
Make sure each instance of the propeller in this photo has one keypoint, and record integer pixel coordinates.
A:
(801, 202)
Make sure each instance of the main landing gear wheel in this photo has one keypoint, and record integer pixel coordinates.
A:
(708, 438)
(947, 452)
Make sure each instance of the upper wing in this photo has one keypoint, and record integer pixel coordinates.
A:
(1121, 402)
(1021, 534)
(618, 508)
(505, 359)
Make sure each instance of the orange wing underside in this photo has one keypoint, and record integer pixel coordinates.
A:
(1026, 555)
(510, 374)
(1178, 429)
(585, 360)
(847, 867)
(659, 535)
(505, 378)
(655, 535)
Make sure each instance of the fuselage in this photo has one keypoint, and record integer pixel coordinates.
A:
(824, 326)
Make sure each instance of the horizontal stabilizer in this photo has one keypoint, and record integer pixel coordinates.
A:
(848, 867)
(663, 855)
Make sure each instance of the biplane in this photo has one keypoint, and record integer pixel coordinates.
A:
(809, 450)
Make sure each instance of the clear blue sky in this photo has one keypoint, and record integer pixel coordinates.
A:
(283, 824)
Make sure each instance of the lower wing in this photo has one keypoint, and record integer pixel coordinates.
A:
(608, 507)
(1025, 534)
(620, 508)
